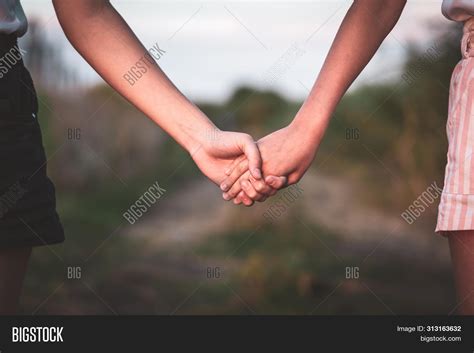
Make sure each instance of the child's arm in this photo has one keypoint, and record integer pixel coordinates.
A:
(105, 40)
(366, 25)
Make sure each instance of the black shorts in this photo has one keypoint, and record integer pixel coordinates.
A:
(27, 197)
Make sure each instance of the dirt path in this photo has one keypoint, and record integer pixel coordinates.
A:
(197, 211)
(333, 204)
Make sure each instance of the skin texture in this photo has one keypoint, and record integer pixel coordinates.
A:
(275, 149)
(13, 264)
(461, 245)
(107, 43)
(365, 26)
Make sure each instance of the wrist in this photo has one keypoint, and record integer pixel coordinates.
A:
(204, 137)
(182, 120)
(309, 126)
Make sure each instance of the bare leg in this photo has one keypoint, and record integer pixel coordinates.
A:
(13, 264)
(461, 244)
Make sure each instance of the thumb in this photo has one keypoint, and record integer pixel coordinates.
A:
(276, 182)
(250, 149)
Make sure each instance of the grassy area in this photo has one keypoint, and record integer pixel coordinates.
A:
(302, 271)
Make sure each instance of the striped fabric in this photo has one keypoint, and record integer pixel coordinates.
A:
(456, 209)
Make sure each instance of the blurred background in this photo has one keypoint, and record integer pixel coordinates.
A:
(339, 246)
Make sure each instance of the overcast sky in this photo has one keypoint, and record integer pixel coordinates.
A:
(211, 47)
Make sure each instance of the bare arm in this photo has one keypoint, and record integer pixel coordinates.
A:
(104, 39)
(366, 25)
(290, 151)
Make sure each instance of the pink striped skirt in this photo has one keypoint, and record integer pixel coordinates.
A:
(456, 209)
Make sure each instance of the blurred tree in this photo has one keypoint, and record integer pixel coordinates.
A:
(43, 59)
(402, 123)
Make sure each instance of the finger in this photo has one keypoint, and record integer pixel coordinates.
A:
(237, 172)
(250, 191)
(236, 187)
(234, 164)
(245, 199)
(238, 200)
(232, 183)
(276, 182)
(252, 153)
(261, 187)
(248, 202)
(241, 198)
(273, 192)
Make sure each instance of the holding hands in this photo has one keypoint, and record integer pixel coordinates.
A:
(229, 156)
(246, 171)
(286, 155)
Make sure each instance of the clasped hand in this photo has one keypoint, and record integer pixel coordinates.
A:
(249, 171)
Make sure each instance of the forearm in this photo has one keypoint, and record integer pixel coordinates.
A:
(366, 25)
(107, 43)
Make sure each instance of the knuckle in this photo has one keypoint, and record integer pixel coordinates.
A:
(247, 137)
(259, 186)
(252, 193)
